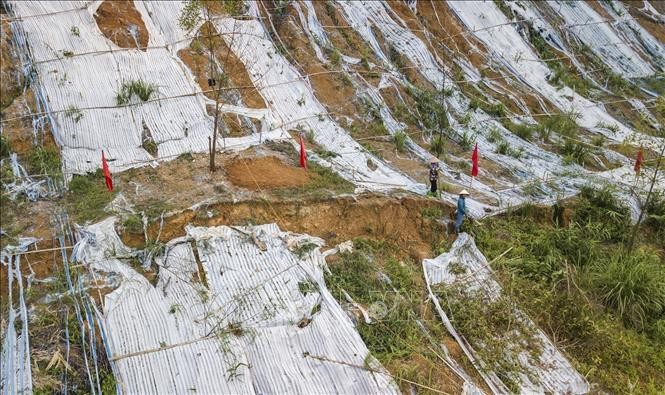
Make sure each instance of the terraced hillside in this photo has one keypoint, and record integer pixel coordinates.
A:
(217, 264)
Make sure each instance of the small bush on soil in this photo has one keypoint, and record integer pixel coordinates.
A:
(561, 124)
(433, 115)
(399, 139)
(633, 285)
(133, 224)
(5, 147)
(522, 130)
(437, 145)
(45, 160)
(135, 88)
(87, 196)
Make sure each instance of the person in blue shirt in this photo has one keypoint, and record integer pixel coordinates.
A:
(461, 210)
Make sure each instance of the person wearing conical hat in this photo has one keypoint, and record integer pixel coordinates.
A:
(461, 209)
(433, 175)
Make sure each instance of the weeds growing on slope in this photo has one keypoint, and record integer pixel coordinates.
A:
(568, 270)
(135, 88)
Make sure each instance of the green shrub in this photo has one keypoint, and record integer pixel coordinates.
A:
(135, 88)
(437, 145)
(561, 124)
(133, 224)
(632, 285)
(522, 130)
(87, 196)
(45, 160)
(600, 206)
(433, 115)
(494, 135)
(655, 215)
(399, 139)
(5, 147)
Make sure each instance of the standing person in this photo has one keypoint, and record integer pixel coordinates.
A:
(461, 210)
(433, 175)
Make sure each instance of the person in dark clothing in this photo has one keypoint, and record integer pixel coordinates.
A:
(433, 175)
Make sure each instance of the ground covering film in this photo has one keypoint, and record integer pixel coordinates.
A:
(465, 265)
(80, 73)
(15, 366)
(178, 125)
(233, 310)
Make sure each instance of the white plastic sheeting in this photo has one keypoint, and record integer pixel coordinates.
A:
(24, 184)
(553, 373)
(293, 105)
(599, 35)
(256, 319)
(15, 366)
(491, 26)
(85, 71)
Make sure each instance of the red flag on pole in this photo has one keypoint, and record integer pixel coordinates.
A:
(474, 161)
(303, 154)
(638, 161)
(107, 173)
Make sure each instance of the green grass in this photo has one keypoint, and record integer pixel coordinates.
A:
(133, 224)
(429, 105)
(87, 197)
(571, 275)
(5, 147)
(45, 160)
(399, 139)
(375, 276)
(135, 88)
(323, 183)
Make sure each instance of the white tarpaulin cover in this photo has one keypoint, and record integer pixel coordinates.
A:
(552, 373)
(233, 310)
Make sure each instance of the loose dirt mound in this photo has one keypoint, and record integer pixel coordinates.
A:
(267, 172)
(116, 19)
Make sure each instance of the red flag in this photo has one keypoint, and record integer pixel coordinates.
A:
(638, 161)
(107, 173)
(474, 161)
(303, 154)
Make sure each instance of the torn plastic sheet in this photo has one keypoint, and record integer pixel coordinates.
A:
(617, 51)
(509, 47)
(178, 124)
(15, 369)
(294, 106)
(22, 183)
(226, 316)
(552, 373)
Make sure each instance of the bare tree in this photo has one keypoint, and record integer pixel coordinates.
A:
(193, 12)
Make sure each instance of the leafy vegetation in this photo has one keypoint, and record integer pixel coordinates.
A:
(429, 105)
(399, 139)
(134, 88)
(569, 270)
(87, 197)
(377, 276)
(46, 161)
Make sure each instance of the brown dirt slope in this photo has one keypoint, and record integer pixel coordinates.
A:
(114, 19)
(266, 172)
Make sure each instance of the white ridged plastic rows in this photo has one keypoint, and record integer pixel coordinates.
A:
(257, 319)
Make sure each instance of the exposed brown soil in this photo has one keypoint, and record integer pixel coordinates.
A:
(334, 219)
(9, 81)
(196, 57)
(265, 172)
(114, 19)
